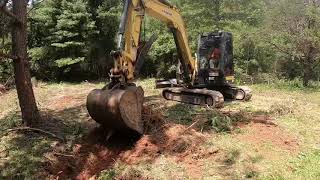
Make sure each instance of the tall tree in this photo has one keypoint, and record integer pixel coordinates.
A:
(293, 30)
(71, 35)
(30, 113)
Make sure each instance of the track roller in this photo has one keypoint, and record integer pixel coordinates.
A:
(194, 96)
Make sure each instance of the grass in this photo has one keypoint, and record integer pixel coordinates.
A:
(295, 110)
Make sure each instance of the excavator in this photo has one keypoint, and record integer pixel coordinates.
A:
(204, 80)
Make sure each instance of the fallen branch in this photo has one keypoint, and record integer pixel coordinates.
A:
(191, 126)
(36, 130)
(265, 121)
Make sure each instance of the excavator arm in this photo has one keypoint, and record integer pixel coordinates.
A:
(118, 106)
(131, 51)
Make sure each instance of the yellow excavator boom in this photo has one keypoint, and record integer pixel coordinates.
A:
(130, 32)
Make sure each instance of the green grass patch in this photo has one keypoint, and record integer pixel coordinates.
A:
(305, 166)
(22, 156)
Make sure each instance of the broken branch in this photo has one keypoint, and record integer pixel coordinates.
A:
(65, 155)
(36, 130)
(285, 51)
(35, 6)
(191, 126)
(8, 80)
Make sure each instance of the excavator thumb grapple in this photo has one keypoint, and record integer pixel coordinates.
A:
(117, 109)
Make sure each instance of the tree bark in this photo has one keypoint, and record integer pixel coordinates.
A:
(29, 110)
(307, 71)
(217, 13)
(308, 64)
(10, 14)
(306, 77)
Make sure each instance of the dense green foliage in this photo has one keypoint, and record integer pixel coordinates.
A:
(5, 68)
(72, 39)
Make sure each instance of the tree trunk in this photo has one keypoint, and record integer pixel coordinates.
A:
(305, 79)
(29, 110)
(307, 73)
(308, 65)
(217, 13)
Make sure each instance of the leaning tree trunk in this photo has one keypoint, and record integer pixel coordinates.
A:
(29, 110)
(308, 63)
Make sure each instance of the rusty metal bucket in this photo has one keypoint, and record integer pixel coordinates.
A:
(118, 109)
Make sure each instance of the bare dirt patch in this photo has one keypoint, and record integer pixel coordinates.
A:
(93, 154)
(259, 134)
(172, 141)
(63, 102)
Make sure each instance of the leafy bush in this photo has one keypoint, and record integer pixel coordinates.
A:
(221, 123)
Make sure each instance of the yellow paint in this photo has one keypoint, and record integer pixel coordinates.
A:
(168, 15)
(230, 78)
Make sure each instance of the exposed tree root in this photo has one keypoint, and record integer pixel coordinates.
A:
(36, 130)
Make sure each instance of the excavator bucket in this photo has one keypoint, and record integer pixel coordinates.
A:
(118, 109)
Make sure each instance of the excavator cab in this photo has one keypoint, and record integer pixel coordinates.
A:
(215, 59)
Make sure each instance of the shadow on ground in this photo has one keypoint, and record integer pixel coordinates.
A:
(22, 152)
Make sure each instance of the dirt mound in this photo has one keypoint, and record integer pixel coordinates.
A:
(93, 154)
(172, 140)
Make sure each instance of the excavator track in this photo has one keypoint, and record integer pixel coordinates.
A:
(194, 96)
(241, 93)
(244, 93)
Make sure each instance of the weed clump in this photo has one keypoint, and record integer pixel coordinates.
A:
(221, 123)
(226, 122)
(283, 108)
(232, 157)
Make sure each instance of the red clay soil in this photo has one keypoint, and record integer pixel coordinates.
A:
(93, 154)
(259, 134)
(172, 141)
